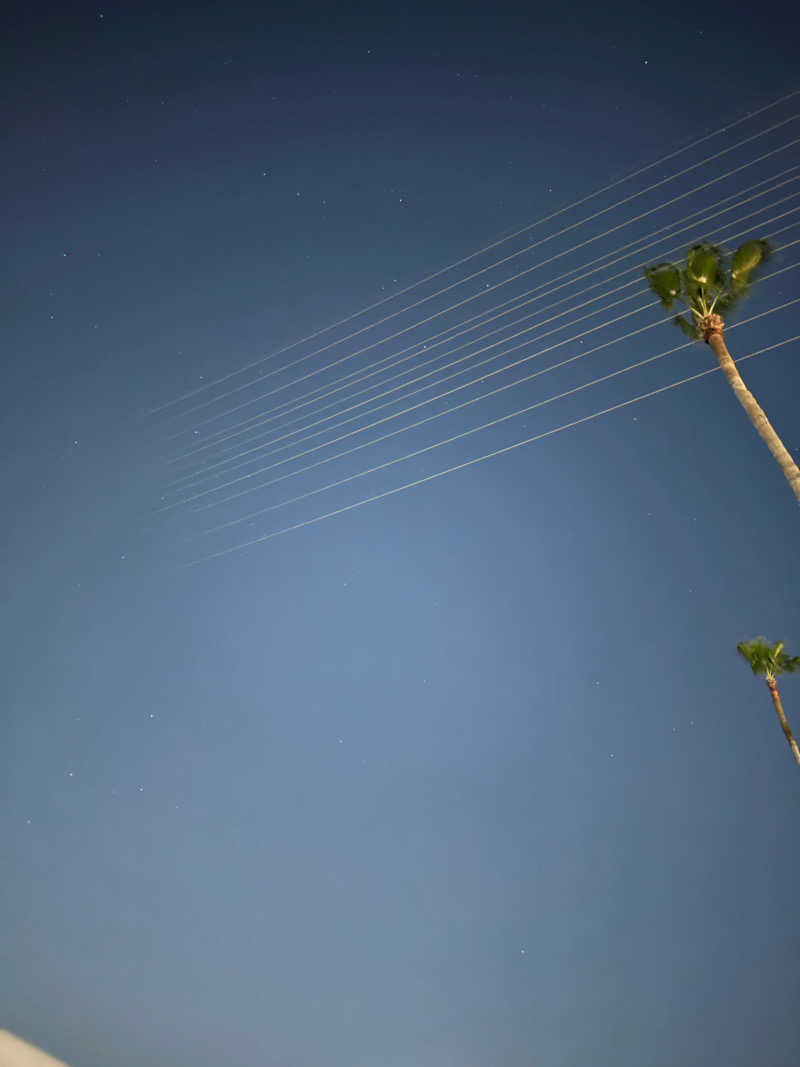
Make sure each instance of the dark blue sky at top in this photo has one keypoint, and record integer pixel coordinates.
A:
(467, 776)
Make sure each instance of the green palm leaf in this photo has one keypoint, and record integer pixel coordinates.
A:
(767, 660)
(728, 301)
(704, 284)
(691, 287)
(665, 281)
(788, 664)
(745, 260)
(703, 264)
(688, 328)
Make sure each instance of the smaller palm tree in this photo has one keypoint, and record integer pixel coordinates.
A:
(709, 288)
(771, 661)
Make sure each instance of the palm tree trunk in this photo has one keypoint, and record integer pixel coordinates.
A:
(755, 414)
(772, 685)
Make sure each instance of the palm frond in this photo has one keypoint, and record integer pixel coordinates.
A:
(767, 659)
(755, 652)
(746, 259)
(688, 328)
(729, 301)
(745, 265)
(692, 289)
(703, 264)
(705, 281)
(788, 664)
(665, 281)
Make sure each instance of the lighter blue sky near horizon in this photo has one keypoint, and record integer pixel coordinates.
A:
(470, 775)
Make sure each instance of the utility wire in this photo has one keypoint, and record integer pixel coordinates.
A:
(663, 159)
(490, 289)
(475, 400)
(351, 378)
(466, 433)
(479, 459)
(481, 378)
(239, 459)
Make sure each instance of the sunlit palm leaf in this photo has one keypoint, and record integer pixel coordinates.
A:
(691, 287)
(702, 283)
(745, 260)
(702, 264)
(665, 281)
(766, 659)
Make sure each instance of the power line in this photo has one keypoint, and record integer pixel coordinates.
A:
(467, 433)
(202, 474)
(478, 459)
(481, 378)
(289, 407)
(236, 457)
(520, 274)
(459, 262)
(405, 411)
(469, 403)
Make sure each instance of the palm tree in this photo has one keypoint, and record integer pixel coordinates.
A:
(769, 662)
(701, 286)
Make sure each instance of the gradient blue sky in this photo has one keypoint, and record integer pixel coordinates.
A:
(470, 776)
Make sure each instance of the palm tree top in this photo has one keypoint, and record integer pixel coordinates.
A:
(766, 659)
(707, 284)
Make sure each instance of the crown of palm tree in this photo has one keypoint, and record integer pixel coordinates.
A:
(767, 660)
(705, 284)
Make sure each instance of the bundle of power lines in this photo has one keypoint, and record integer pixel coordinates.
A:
(234, 441)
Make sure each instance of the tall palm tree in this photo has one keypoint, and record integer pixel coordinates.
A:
(771, 661)
(702, 287)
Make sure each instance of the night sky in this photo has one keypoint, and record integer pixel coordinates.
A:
(467, 773)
